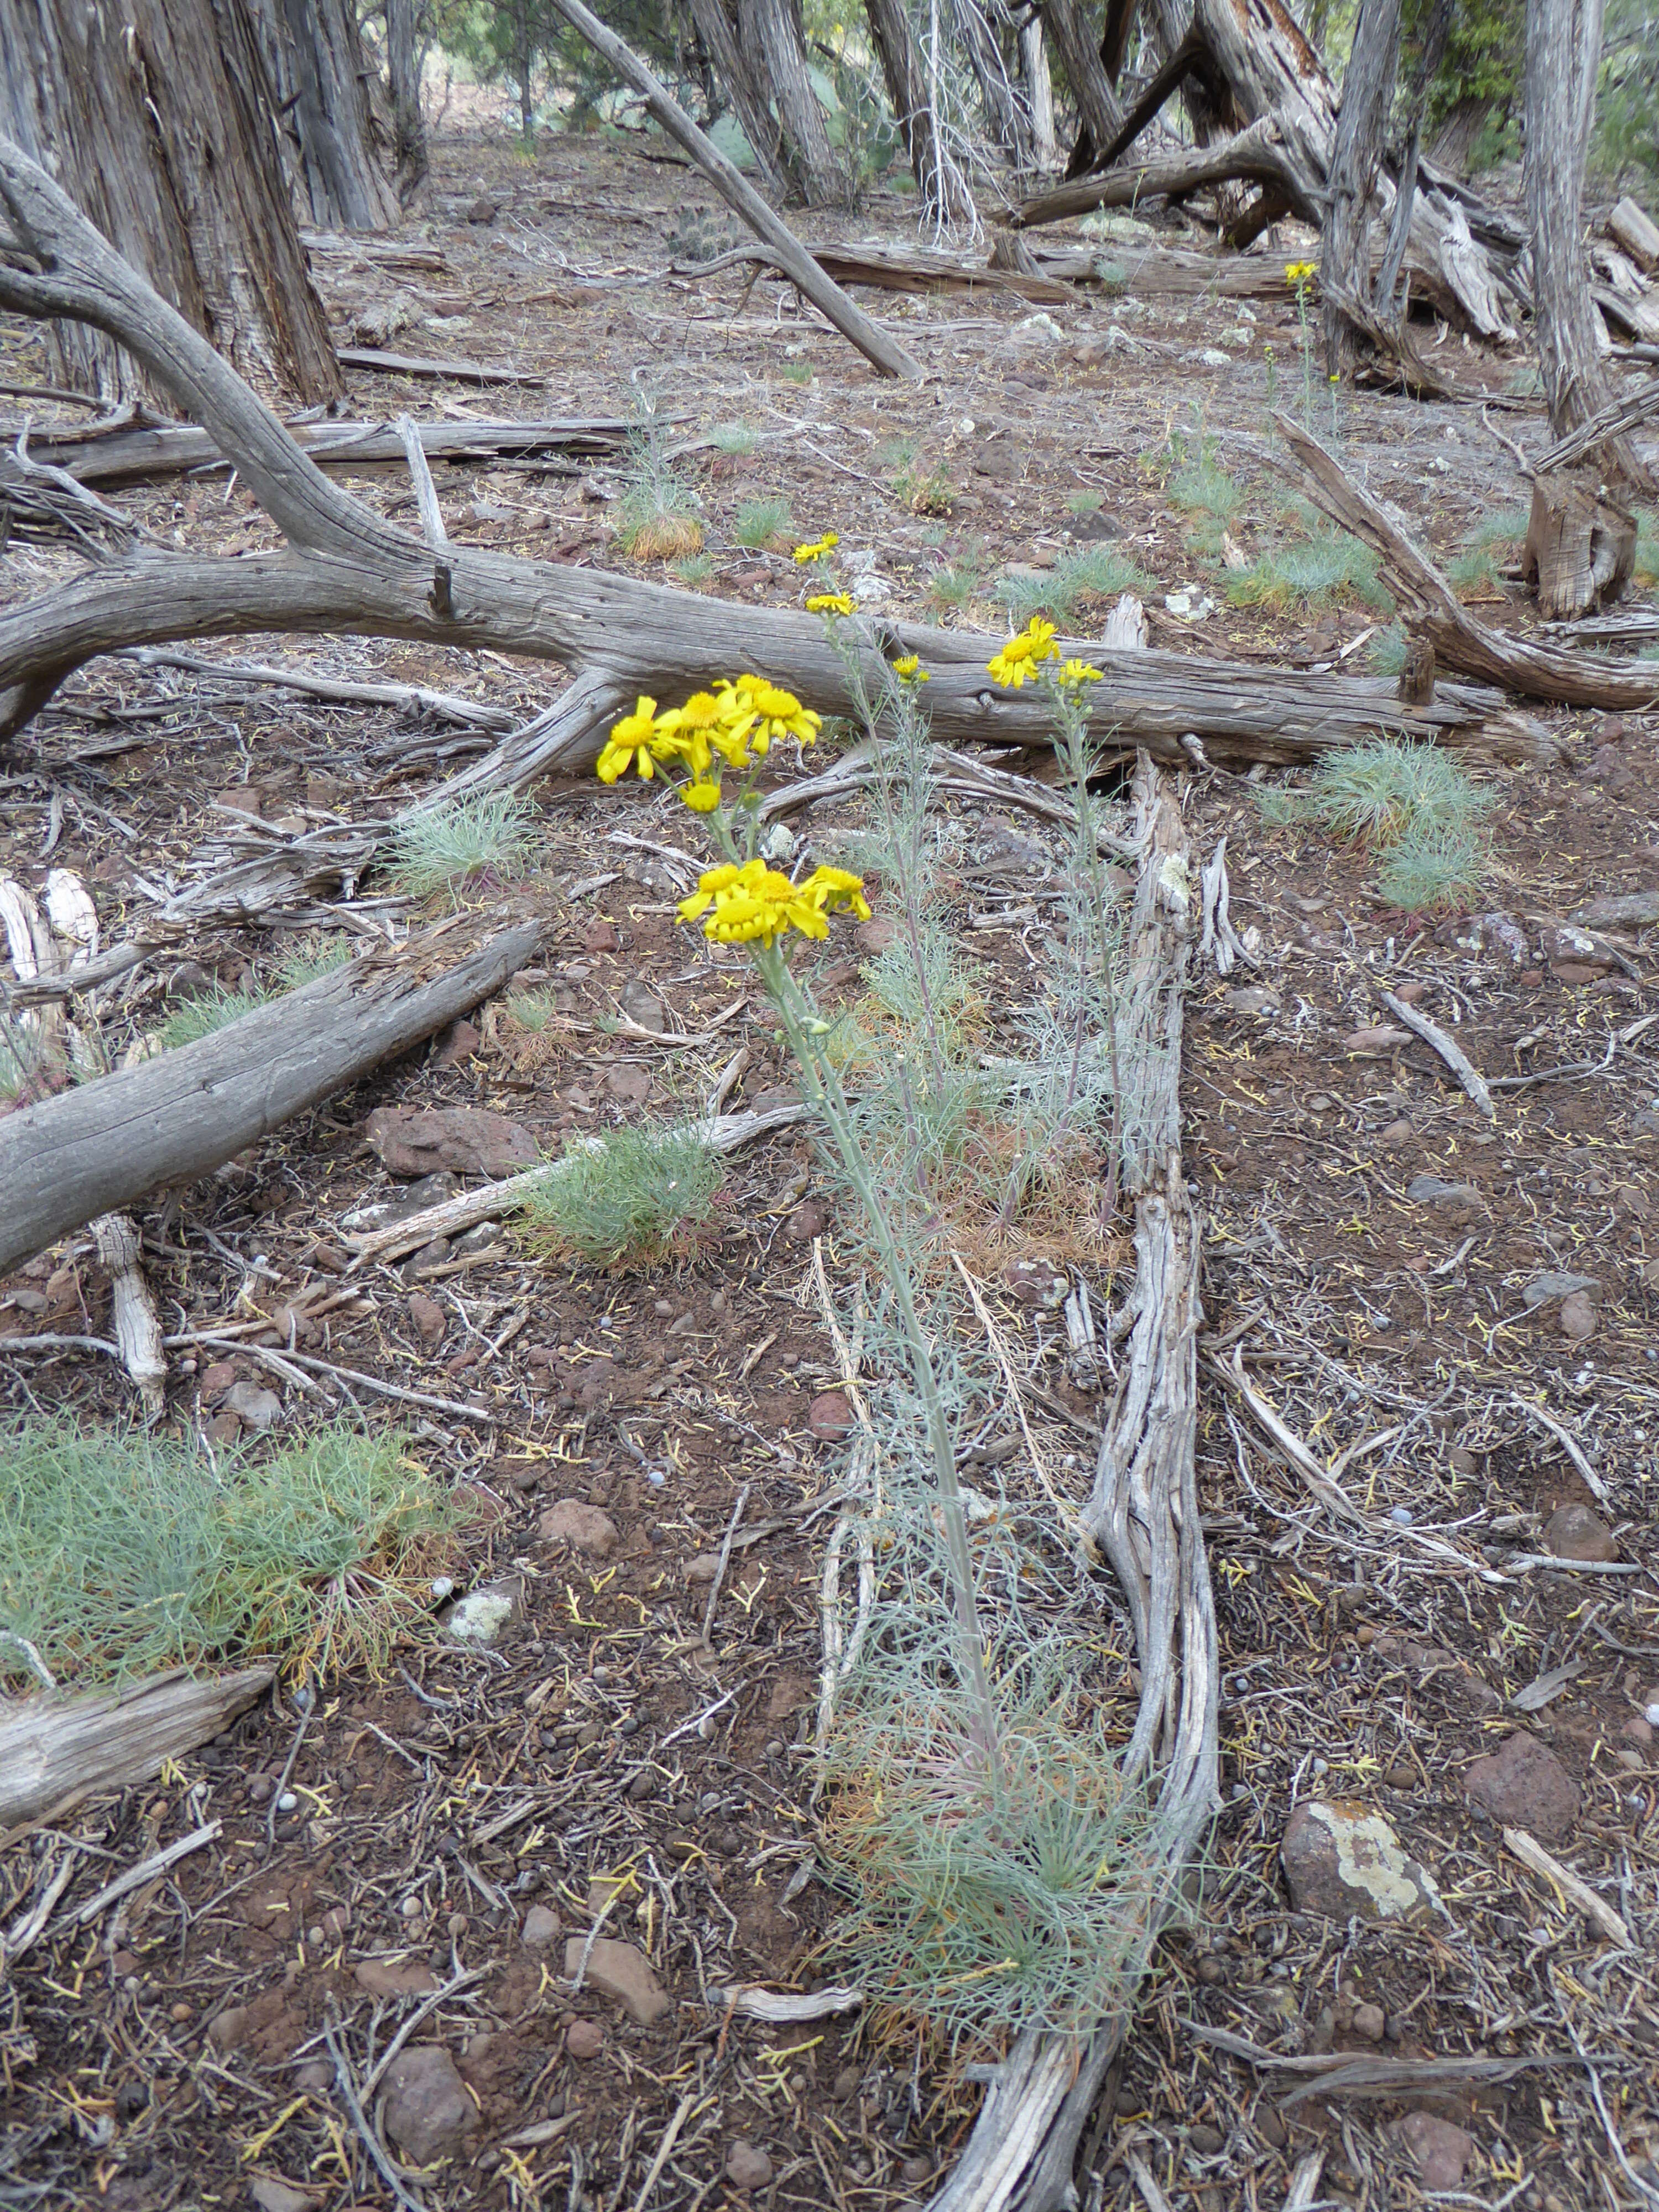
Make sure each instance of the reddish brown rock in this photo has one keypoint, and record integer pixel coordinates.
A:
(393, 1978)
(601, 937)
(467, 1140)
(217, 1379)
(1573, 1532)
(1437, 2149)
(429, 1319)
(461, 1041)
(1577, 1317)
(583, 1527)
(1343, 1859)
(1036, 1283)
(584, 2039)
(428, 2111)
(830, 1417)
(807, 1221)
(747, 2167)
(621, 1971)
(1523, 1785)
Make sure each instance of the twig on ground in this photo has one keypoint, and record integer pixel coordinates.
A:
(1433, 1036)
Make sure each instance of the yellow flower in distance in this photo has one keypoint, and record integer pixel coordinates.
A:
(819, 550)
(1019, 659)
(911, 668)
(1078, 671)
(830, 603)
(635, 738)
(1299, 273)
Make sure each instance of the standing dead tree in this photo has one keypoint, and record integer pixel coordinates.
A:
(796, 263)
(1581, 536)
(947, 198)
(320, 80)
(1271, 92)
(156, 117)
(403, 59)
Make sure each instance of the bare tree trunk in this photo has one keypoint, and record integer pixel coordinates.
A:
(1099, 115)
(1563, 44)
(718, 33)
(315, 57)
(976, 24)
(1039, 92)
(403, 58)
(156, 118)
(1356, 165)
(522, 54)
(1454, 143)
(775, 39)
(1581, 534)
(946, 199)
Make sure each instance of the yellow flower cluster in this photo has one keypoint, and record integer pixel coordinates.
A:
(730, 727)
(820, 549)
(1020, 657)
(909, 667)
(753, 904)
(830, 603)
(1299, 273)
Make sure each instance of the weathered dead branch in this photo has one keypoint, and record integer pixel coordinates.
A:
(1431, 608)
(883, 352)
(1144, 1513)
(349, 571)
(96, 1148)
(56, 1750)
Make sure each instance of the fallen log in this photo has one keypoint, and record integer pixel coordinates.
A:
(1256, 154)
(97, 1148)
(127, 456)
(57, 1750)
(350, 570)
(379, 363)
(1433, 611)
(1144, 1513)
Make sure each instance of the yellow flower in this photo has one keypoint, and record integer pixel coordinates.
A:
(637, 737)
(1019, 659)
(770, 712)
(830, 889)
(688, 733)
(1078, 671)
(819, 550)
(701, 797)
(1299, 273)
(753, 904)
(908, 667)
(830, 603)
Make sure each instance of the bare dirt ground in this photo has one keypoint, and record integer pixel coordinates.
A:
(1373, 1244)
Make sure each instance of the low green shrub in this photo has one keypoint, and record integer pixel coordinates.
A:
(121, 1553)
(434, 847)
(626, 1195)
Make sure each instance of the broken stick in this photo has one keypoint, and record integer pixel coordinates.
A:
(880, 350)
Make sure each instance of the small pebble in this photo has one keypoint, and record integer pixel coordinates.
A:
(584, 2039)
(410, 1908)
(443, 1586)
(259, 1787)
(915, 2171)
(287, 1801)
(1400, 1516)
(1370, 2021)
(747, 2167)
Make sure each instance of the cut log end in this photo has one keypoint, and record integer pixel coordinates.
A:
(1581, 544)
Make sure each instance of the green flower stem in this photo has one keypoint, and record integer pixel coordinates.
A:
(828, 1096)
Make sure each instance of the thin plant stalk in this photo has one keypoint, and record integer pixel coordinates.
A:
(830, 1099)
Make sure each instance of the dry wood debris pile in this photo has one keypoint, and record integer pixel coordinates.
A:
(1198, 1453)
